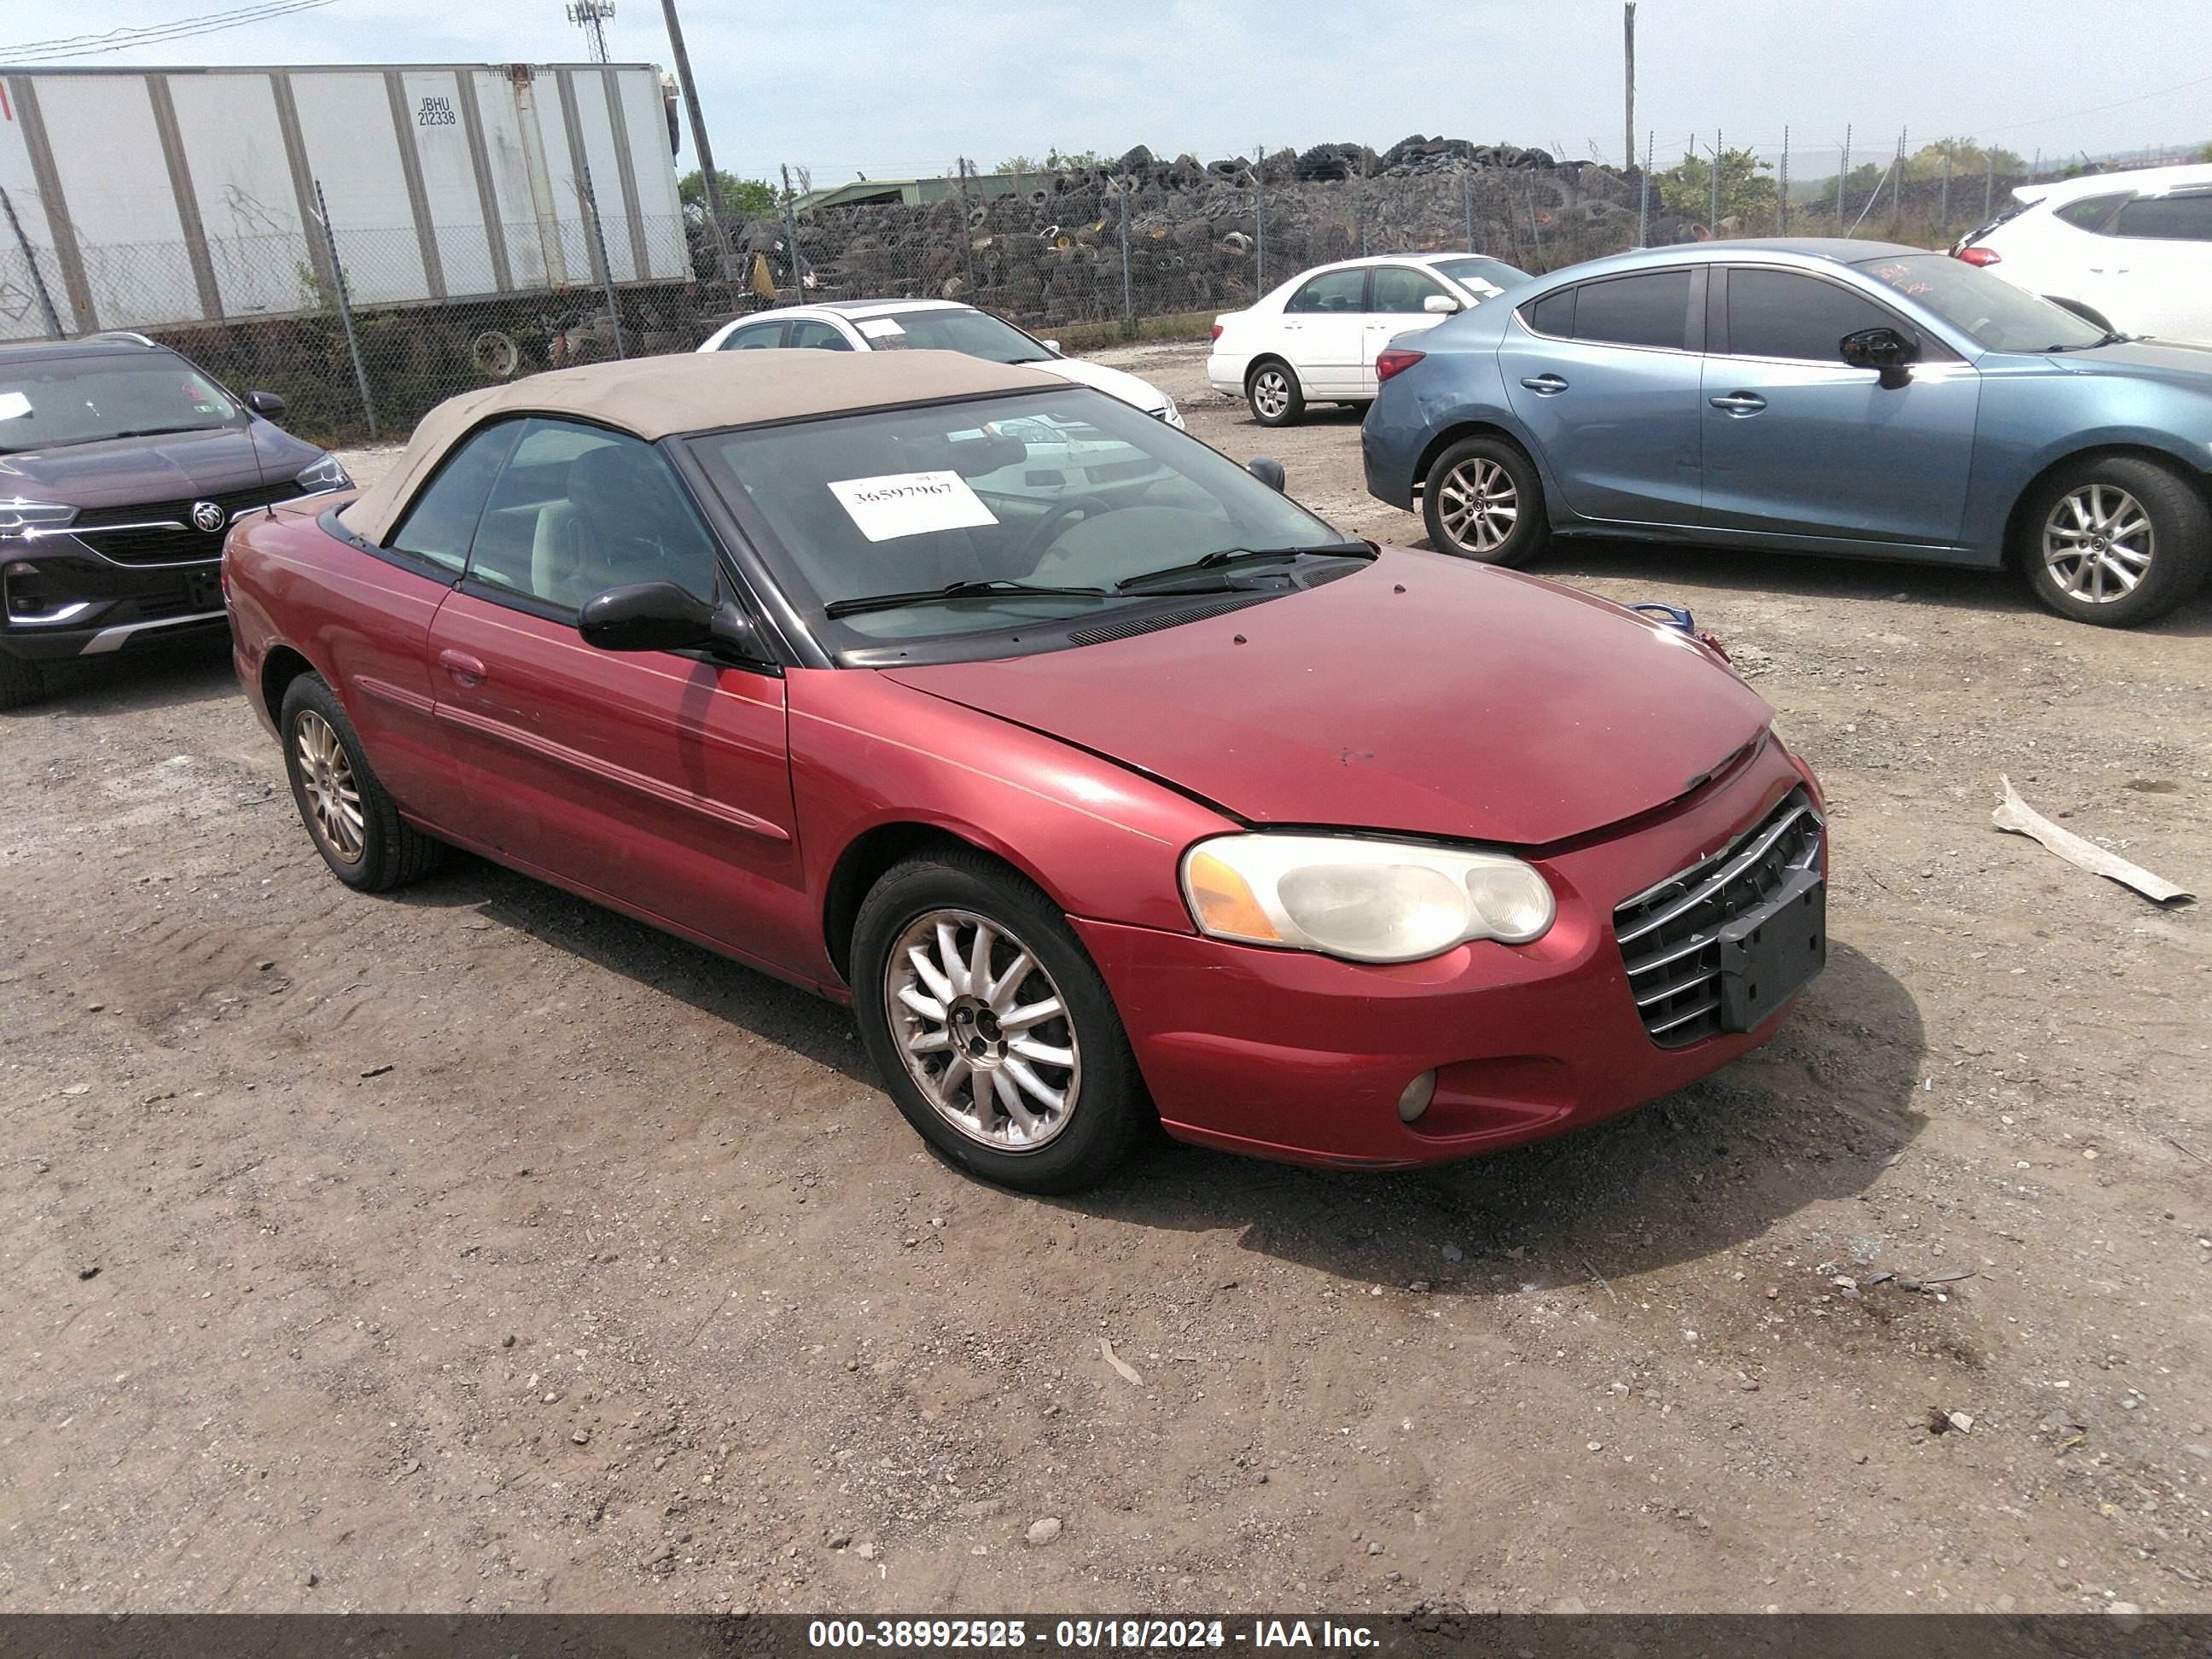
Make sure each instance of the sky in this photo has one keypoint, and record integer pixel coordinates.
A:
(900, 89)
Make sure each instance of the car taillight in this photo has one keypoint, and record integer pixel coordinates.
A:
(1980, 256)
(1217, 333)
(1396, 360)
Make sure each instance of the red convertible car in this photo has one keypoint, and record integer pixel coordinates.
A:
(1105, 783)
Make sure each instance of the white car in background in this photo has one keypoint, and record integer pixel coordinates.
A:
(1315, 339)
(2132, 251)
(930, 325)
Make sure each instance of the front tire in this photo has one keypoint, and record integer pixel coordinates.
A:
(355, 824)
(2114, 542)
(22, 682)
(1273, 393)
(1483, 501)
(992, 1030)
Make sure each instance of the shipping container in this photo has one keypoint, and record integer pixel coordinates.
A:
(153, 199)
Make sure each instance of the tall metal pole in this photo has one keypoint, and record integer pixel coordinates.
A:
(1628, 67)
(790, 238)
(708, 177)
(31, 264)
(345, 311)
(1642, 194)
(1843, 180)
(1259, 219)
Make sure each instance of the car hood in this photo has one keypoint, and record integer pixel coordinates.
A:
(1419, 694)
(2177, 361)
(124, 471)
(1143, 394)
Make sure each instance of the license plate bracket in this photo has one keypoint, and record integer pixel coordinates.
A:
(1770, 954)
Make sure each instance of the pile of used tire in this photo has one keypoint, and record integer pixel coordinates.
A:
(1048, 249)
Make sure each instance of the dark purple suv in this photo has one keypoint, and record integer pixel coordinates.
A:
(121, 468)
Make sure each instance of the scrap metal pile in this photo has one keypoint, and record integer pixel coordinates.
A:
(1211, 234)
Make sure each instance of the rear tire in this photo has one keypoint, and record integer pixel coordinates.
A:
(980, 1092)
(1483, 500)
(2114, 542)
(1273, 393)
(22, 682)
(353, 821)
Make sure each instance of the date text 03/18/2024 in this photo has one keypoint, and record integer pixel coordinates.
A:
(1087, 1634)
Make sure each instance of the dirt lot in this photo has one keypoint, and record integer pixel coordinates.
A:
(473, 1248)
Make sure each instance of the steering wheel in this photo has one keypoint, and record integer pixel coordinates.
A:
(1048, 527)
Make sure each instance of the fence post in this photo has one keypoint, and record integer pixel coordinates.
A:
(1128, 298)
(1259, 219)
(1897, 190)
(606, 271)
(1360, 201)
(966, 231)
(1642, 195)
(791, 237)
(1782, 193)
(1466, 201)
(1713, 225)
(345, 311)
(1988, 185)
(1535, 231)
(1944, 211)
(31, 260)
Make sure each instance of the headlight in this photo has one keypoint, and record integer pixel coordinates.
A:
(1366, 901)
(325, 474)
(22, 521)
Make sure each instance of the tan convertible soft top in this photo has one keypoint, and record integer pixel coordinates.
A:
(695, 392)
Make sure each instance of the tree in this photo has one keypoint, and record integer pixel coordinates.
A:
(1054, 162)
(741, 198)
(1858, 187)
(2204, 152)
(1747, 191)
(1965, 156)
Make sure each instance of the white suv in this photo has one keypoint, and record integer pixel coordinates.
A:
(1314, 339)
(2131, 250)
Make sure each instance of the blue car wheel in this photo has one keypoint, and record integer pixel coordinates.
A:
(1483, 500)
(2115, 541)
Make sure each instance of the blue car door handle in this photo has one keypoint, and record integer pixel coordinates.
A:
(1741, 403)
(1543, 385)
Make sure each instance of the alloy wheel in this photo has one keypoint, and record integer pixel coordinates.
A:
(982, 1030)
(1271, 393)
(2098, 543)
(333, 793)
(1479, 505)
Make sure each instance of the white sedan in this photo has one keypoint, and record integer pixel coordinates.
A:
(930, 325)
(1314, 339)
(2131, 250)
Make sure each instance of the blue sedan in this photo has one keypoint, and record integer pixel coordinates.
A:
(1811, 396)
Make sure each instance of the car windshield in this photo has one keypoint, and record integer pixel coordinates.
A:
(80, 400)
(972, 333)
(1476, 268)
(1997, 314)
(1067, 489)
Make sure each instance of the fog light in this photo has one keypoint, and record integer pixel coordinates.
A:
(1417, 1095)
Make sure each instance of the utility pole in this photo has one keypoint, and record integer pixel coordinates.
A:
(1628, 52)
(699, 145)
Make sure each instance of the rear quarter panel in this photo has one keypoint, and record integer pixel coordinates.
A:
(1457, 383)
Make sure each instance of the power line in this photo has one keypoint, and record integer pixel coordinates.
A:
(181, 28)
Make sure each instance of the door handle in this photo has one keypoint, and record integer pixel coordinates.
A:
(1741, 403)
(466, 670)
(1543, 385)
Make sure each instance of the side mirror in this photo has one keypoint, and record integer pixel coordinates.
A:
(1440, 305)
(647, 616)
(264, 403)
(1268, 470)
(1886, 350)
(1053, 346)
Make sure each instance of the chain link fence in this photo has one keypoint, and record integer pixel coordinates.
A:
(331, 324)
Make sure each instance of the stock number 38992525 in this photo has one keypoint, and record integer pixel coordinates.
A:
(1071, 1634)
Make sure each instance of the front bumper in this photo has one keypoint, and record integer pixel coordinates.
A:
(55, 603)
(1303, 1058)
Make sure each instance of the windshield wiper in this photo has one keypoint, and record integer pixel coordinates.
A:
(2110, 338)
(1228, 555)
(970, 590)
(145, 432)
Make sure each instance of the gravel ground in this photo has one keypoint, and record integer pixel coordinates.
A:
(475, 1248)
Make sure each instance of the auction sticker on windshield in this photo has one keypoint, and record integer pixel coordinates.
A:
(13, 405)
(898, 504)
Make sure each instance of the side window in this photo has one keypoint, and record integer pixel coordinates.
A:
(442, 522)
(1340, 291)
(1639, 311)
(2168, 218)
(812, 336)
(760, 337)
(1553, 314)
(1402, 288)
(1781, 314)
(579, 510)
(2089, 213)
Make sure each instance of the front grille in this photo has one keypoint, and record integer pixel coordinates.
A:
(1669, 936)
(170, 546)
